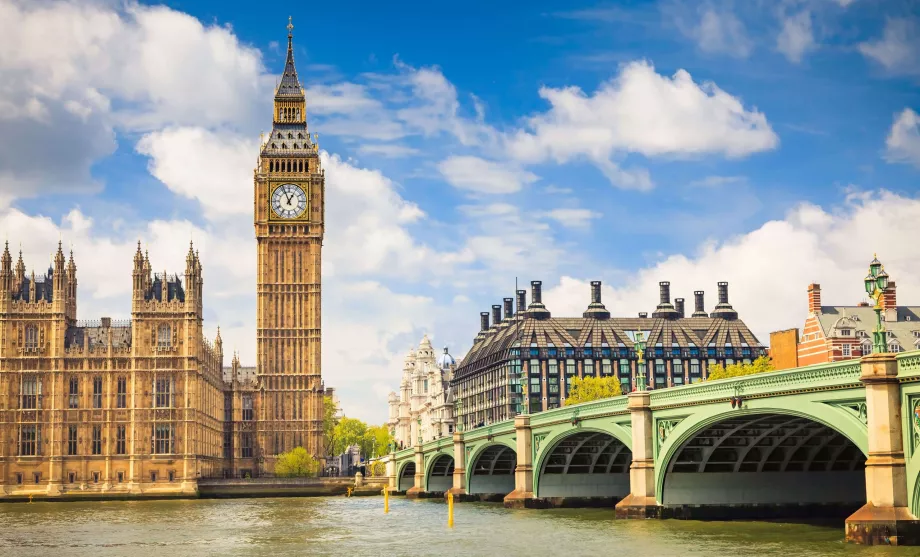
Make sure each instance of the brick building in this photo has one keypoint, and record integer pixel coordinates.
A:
(833, 333)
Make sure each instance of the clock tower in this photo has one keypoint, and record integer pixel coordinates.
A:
(289, 207)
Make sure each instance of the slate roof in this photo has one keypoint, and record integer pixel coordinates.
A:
(862, 318)
(580, 332)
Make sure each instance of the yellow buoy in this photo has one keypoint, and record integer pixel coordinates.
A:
(450, 510)
(386, 500)
(349, 493)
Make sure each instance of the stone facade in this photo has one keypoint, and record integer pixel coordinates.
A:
(289, 207)
(424, 408)
(106, 407)
(145, 406)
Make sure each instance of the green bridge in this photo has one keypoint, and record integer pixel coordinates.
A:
(834, 439)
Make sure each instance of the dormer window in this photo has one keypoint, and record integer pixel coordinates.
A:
(290, 136)
(295, 146)
(845, 332)
(284, 146)
(894, 346)
(299, 136)
(279, 135)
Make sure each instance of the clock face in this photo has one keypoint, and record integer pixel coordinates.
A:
(289, 201)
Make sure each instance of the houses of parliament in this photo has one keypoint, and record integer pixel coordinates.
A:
(146, 406)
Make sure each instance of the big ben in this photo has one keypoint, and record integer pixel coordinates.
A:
(289, 207)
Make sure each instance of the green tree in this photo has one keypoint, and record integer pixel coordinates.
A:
(296, 463)
(762, 364)
(330, 420)
(348, 432)
(592, 388)
(375, 442)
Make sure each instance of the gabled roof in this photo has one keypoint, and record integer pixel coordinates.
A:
(863, 318)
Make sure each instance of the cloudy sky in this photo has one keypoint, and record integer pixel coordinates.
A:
(769, 143)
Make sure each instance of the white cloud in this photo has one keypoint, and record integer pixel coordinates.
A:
(903, 142)
(213, 168)
(811, 244)
(136, 68)
(796, 37)
(340, 98)
(719, 31)
(641, 111)
(483, 176)
(573, 218)
(897, 49)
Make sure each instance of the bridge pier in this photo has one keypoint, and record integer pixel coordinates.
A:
(523, 471)
(641, 501)
(418, 490)
(459, 485)
(391, 474)
(885, 519)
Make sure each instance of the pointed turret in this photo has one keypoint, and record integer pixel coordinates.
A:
(289, 85)
(60, 279)
(6, 273)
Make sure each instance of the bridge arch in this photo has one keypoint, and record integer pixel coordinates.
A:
(583, 462)
(490, 470)
(405, 479)
(773, 461)
(439, 472)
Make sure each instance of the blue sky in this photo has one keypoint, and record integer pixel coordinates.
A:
(770, 144)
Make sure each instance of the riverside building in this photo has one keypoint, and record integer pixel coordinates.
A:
(146, 406)
(525, 360)
(424, 408)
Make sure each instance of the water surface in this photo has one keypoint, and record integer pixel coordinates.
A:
(358, 527)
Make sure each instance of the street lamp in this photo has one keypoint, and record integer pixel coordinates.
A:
(876, 283)
(640, 364)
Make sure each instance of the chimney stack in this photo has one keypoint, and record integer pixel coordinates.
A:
(723, 309)
(509, 308)
(496, 315)
(521, 301)
(484, 321)
(664, 309)
(536, 309)
(814, 298)
(596, 308)
(679, 306)
(890, 302)
(643, 315)
(699, 309)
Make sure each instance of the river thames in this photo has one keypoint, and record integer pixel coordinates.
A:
(357, 527)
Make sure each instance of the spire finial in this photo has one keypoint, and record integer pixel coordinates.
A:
(290, 28)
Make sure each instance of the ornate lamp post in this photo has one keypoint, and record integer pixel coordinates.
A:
(640, 364)
(876, 282)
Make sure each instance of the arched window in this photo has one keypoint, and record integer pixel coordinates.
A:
(164, 339)
(31, 337)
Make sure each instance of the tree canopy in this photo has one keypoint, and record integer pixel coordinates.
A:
(762, 364)
(373, 441)
(587, 389)
(330, 421)
(296, 463)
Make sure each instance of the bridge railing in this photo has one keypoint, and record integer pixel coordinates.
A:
(909, 365)
(833, 375)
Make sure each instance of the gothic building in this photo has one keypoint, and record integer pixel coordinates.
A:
(424, 408)
(106, 407)
(525, 360)
(145, 406)
(289, 227)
